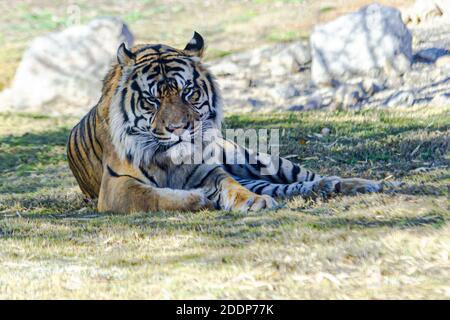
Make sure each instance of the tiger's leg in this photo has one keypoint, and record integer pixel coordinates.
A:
(225, 192)
(279, 177)
(126, 194)
(322, 186)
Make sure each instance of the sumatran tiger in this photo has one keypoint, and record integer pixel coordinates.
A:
(130, 150)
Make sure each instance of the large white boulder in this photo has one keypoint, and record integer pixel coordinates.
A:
(62, 72)
(369, 42)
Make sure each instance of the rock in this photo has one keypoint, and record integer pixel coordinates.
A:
(441, 100)
(430, 54)
(289, 59)
(314, 102)
(255, 102)
(66, 68)
(281, 59)
(443, 61)
(401, 99)
(325, 131)
(309, 102)
(372, 86)
(425, 10)
(224, 68)
(296, 107)
(373, 38)
(284, 91)
(348, 96)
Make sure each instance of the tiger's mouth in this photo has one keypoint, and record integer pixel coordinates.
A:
(174, 138)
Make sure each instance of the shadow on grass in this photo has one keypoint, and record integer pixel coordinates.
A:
(431, 219)
(52, 138)
(24, 153)
(235, 230)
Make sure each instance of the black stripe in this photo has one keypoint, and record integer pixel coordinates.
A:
(295, 172)
(258, 183)
(114, 174)
(149, 177)
(260, 188)
(146, 68)
(213, 90)
(175, 68)
(94, 127)
(190, 177)
(91, 142)
(200, 183)
(274, 191)
(81, 174)
(280, 172)
(177, 60)
(122, 105)
(82, 133)
(132, 104)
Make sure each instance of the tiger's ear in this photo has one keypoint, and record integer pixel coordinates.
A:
(196, 46)
(124, 56)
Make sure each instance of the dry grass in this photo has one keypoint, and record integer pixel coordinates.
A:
(392, 245)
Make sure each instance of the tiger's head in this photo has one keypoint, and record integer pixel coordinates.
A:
(165, 98)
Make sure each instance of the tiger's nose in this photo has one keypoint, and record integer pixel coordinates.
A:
(178, 128)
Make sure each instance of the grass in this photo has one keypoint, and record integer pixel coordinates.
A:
(392, 245)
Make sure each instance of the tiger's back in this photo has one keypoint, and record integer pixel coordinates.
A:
(85, 153)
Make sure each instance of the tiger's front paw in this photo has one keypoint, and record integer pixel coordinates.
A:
(236, 197)
(197, 201)
(329, 186)
(241, 199)
(352, 186)
(184, 200)
(256, 202)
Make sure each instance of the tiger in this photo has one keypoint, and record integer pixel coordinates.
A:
(129, 152)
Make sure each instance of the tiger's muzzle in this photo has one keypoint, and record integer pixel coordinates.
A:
(174, 120)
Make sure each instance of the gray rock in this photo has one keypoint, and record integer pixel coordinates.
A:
(325, 131)
(255, 102)
(224, 68)
(296, 107)
(441, 100)
(284, 91)
(430, 54)
(289, 59)
(314, 102)
(373, 38)
(443, 62)
(66, 68)
(281, 59)
(309, 102)
(348, 96)
(401, 99)
(372, 86)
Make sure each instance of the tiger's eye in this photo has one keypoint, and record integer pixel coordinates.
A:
(186, 90)
(195, 95)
